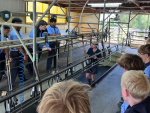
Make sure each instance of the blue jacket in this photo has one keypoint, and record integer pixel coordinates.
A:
(40, 35)
(147, 72)
(13, 36)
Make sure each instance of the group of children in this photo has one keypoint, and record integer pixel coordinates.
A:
(16, 52)
(135, 81)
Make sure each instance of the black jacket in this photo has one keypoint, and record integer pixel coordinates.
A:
(142, 107)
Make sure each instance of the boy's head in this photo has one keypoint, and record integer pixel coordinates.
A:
(131, 62)
(135, 86)
(66, 97)
(42, 25)
(17, 21)
(53, 22)
(6, 30)
(144, 53)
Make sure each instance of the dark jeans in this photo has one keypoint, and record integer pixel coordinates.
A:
(2, 64)
(49, 60)
(51, 53)
(40, 53)
(19, 70)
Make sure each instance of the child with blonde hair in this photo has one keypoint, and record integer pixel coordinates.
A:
(135, 89)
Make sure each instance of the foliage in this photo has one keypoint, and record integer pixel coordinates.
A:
(139, 21)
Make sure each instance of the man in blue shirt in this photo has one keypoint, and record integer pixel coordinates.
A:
(16, 53)
(3, 52)
(52, 31)
(40, 29)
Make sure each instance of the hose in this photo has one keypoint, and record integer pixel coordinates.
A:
(21, 77)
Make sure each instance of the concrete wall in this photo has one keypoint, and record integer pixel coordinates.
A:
(14, 6)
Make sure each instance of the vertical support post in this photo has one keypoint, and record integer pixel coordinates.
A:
(2, 33)
(103, 28)
(148, 24)
(99, 20)
(128, 34)
(69, 18)
(118, 33)
(34, 33)
(81, 17)
(69, 31)
(109, 32)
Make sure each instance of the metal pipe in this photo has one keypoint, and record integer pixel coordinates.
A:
(34, 33)
(103, 27)
(61, 8)
(12, 24)
(99, 20)
(122, 29)
(94, 14)
(46, 11)
(135, 15)
(128, 34)
(81, 16)
(2, 33)
(83, 23)
(148, 23)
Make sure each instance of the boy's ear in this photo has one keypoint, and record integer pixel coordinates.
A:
(126, 93)
(146, 55)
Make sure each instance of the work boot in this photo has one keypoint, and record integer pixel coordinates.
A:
(89, 81)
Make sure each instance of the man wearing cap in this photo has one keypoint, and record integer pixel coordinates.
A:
(93, 70)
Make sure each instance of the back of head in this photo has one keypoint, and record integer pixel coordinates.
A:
(137, 84)
(66, 97)
(52, 20)
(42, 22)
(144, 49)
(16, 20)
(131, 62)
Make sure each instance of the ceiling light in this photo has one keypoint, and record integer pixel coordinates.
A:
(114, 11)
(107, 4)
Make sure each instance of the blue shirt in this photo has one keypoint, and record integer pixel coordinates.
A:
(40, 45)
(53, 30)
(13, 36)
(147, 72)
(4, 40)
